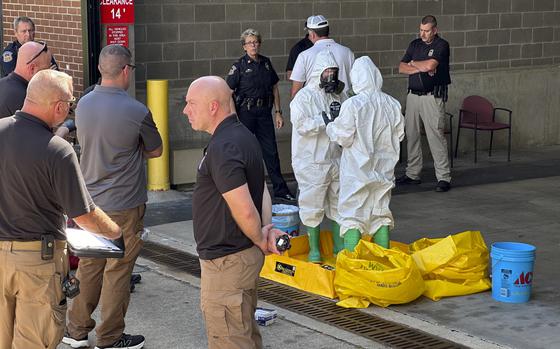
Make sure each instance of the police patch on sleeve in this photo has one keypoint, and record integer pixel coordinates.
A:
(232, 70)
(7, 56)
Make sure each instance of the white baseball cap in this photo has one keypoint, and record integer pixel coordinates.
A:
(316, 22)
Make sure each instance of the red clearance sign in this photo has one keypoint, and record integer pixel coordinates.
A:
(116, 11)
(117, 35)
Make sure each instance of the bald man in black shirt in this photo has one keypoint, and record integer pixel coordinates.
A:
(230, 206)
(33, 57)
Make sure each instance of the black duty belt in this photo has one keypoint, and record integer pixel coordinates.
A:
(256, 102)
(420, 93)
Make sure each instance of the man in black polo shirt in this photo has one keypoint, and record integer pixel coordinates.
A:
(41, 183)
(228, 202)
(426, 62)
(33, 57)
(298, 48)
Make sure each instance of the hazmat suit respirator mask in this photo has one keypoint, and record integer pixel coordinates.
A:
(330, 82)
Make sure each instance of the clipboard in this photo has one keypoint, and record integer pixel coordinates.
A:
(82, 243)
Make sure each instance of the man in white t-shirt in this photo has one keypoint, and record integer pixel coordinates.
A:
(318, 28)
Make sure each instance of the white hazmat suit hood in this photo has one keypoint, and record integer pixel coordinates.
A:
(315, 159)
(369, 128)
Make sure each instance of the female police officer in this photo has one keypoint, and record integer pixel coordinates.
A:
(255, 87)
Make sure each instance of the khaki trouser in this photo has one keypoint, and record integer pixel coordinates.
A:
(107, 281)
(431, 111)
(32, 305)
(228, 298)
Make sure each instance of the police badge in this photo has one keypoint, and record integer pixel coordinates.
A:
(7, 56)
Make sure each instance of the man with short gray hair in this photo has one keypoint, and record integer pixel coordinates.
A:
(43, 184)
(116, 134)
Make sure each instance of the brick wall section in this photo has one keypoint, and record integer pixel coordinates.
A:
(180, 40)
(59, 23)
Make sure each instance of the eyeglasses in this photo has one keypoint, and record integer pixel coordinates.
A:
(132, 66)
(43, 49)
(252, 43)
(70, 102)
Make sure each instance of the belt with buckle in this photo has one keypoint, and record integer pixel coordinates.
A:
(420, 93)
(32, 245)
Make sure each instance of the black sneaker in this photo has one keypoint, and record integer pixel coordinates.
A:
(443, 186)
(285, 197)
(75, 343)
(404, 179)
(126, 341)
(134, 279)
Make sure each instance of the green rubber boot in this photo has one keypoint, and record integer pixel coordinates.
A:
(313, 235)
(338, 241)
(351, 239)
(381, 236)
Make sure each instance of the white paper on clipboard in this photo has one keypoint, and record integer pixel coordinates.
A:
(86, 244)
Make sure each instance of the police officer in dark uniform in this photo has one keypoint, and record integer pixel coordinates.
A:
(24, 31)
(426, 62)
(255, 87)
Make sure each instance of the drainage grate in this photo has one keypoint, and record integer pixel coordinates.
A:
(173, 258)
(321, 309)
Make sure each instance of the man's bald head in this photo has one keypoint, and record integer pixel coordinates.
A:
(208, 103)
(215, 88)
(32, 57)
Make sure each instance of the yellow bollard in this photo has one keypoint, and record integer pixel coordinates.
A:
(158, 168)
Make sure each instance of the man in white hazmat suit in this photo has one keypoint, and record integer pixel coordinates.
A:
(369, 129)
(315, 159)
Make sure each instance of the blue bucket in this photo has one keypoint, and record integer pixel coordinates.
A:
(286, 218)
(512, 271)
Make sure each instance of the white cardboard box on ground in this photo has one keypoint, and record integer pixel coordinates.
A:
(265, 317)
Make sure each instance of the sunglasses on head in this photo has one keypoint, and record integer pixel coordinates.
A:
(43, 49)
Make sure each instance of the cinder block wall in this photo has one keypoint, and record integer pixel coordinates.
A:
(493, 43)
(57, 22)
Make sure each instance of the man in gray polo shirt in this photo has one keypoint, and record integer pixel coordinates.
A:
(116, 133)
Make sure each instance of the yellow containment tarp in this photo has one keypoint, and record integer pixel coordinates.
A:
(293, 269)
(452, 266)
(372, 274)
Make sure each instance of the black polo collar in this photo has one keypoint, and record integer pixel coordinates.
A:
(31, 118)
(18, 78)
(228, 121)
